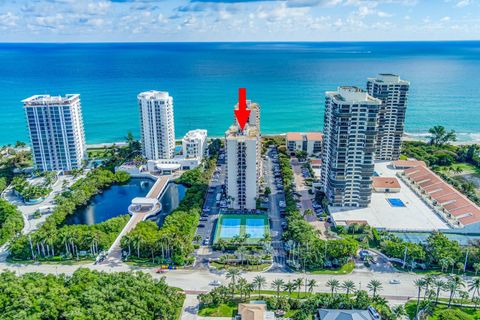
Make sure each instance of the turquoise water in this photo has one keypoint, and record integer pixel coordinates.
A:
(287, 79)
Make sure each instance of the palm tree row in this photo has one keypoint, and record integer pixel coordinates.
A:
(433, 286)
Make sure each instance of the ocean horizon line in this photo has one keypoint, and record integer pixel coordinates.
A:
(246, 42)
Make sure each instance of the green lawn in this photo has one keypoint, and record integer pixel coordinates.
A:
(411, 307)
(223, 310)
(345, 269)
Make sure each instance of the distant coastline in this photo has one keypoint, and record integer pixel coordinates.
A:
(406, 137)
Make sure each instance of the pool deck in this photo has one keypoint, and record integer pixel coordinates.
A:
(415, 216)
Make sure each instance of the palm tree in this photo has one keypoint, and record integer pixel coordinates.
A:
(399, 312)
(298, 284)
(454, 283)
(444, 263)
(374, 286)
(232, 274)
(242, 286)
(427, 282)
(440, 284)
(277, 284)
(241, 252)
(459, 267)
(348, 285)
(440, 136)
(333, 284)
(289, 286)
(312, 283)
(475, 287)
(419, 283)
(476, 267)
(259, 282)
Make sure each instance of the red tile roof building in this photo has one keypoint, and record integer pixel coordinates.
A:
(452, 202)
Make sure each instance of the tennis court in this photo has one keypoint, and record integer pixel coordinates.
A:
(230, 226)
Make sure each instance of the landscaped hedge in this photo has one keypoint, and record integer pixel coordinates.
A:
(11, 221)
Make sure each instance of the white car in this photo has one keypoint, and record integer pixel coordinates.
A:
(215, 283)
(394, 281)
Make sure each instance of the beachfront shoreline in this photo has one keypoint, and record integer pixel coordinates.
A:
(406, 137)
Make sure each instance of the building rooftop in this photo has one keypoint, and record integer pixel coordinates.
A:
(45, 99)
(195, 134)
(294, 136)
(249, 132)
(415, 215)
(154, 95)
(452, 200)
(352, 95)
(336, 314)
(385, 182)
(388, 78)
(314, 136)
(408, 163)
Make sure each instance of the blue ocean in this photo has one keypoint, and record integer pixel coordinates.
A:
(287, 79)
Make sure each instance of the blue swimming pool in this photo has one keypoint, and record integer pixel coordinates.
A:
(395, 202)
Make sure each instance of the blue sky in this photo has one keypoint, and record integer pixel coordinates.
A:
(238, 20)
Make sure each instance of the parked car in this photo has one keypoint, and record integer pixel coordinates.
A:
(201, 225)
(160, 270)
(394, 281)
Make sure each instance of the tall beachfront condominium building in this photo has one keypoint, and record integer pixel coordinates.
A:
(194, 144)
(351, 127)
(244, 163)
(156, 125)
(391, 117)
(56, 131)
(254, 117)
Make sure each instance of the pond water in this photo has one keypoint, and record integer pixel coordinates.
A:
(115, 201)
(170, 201)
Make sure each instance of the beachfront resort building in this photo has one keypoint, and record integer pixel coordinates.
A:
(350, 129)
(157, 124)
(194, 144)
(309, 142)
(393, 92)
(56, 131)
(243, 158)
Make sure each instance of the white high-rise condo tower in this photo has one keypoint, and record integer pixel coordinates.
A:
(391, 117)
(156, 124)
(56, 131)
(194, 144)
(350, 123)
(244, 165)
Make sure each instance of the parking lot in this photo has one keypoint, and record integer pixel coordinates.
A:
(276, 205)
(213, 201)
(303, 192)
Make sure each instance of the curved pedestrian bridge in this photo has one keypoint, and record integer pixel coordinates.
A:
(140, 209)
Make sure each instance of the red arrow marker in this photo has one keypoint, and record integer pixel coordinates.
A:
(242, 113)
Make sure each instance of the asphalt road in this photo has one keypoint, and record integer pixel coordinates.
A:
(274, 214)
(197, 281)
